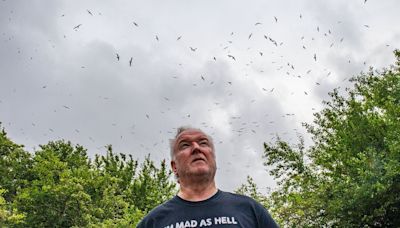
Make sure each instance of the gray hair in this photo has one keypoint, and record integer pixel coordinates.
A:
(181, 129)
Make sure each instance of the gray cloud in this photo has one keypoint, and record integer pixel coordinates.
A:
(57, 82)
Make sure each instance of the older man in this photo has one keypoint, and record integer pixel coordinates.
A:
(199, 203)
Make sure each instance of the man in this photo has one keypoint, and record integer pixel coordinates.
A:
(199, 203)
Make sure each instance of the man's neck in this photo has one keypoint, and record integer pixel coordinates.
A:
(197, 192)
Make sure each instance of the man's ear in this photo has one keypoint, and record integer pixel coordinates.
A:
(173, 166)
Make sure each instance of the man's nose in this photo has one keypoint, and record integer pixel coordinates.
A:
(195, 146)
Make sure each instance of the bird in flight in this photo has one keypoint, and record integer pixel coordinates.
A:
(258, 23)
(157, 38)
(276, 19)
(130, 62)
(135, 24)
(89, 12)
(117, 57)
(76, 27)
(179, 37)
(193, 49)
(231, 56)
(315, 57)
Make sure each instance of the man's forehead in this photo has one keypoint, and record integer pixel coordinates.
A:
(191, 133)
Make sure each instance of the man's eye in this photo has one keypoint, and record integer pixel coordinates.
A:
(204, 143)
(184, 145)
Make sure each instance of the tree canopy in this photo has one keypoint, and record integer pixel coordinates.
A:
(59, 186)
(350, 176)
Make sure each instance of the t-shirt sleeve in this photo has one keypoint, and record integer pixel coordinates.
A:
(264, 219)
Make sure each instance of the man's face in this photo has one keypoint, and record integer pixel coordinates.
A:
(193, 156)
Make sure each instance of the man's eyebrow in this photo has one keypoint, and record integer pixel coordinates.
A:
(185, 139)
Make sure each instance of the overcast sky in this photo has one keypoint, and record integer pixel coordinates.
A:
(243, 71)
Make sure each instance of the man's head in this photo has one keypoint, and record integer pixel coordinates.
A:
(192, 155)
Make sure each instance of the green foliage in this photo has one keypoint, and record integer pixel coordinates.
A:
(15, 164)
(350, 177)
(250, 189)
(8, 216)
(59, 186)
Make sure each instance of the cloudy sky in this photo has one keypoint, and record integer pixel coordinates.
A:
(127, 73)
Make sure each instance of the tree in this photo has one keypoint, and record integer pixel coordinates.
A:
(8, 216)
(250, 189)
(15, 164)
(59, 186)
(350, 177)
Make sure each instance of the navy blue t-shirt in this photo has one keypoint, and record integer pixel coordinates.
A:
(223, 209)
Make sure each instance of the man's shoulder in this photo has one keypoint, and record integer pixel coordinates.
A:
(238, 198)
(247, 204)
(161, 211)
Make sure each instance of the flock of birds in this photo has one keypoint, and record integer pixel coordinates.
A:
(241, 125)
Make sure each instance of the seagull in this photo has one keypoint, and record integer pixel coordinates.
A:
(76, 27)
(89, 12)
(250, 35)
(134, 23)
(215, 59)
(193, 49)
(130, 62)
(258, 23)
(117, 57)
(202, 77)
(276, 19)
(179, 37)
(157, 38)
(231, 56)
(315, 57)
